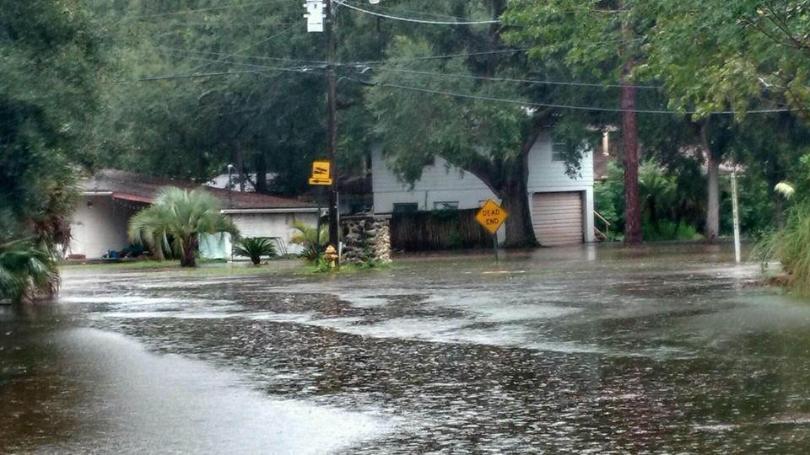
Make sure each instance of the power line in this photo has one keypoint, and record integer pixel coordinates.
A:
(286, 30)
(225, 54)
(414, 20)
(465, 54)
(435, 57)
(406, 71)
(190, 11)
(199, 75)
(520, 81)
(562, 106)
(420, 13)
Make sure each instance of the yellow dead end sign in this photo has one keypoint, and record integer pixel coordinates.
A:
(321, 173)
(491, 216)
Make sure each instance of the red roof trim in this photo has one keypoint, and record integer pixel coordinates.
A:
(132, 198)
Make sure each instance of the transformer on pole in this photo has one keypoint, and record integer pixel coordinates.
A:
(316, 14)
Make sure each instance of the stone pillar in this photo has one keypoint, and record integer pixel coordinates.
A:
(366, 238)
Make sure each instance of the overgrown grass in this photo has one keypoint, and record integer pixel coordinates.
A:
(668, 230)
(791, 247)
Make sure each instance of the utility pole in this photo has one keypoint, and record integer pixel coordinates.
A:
(331, 100)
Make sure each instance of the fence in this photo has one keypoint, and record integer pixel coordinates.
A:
(437, 230)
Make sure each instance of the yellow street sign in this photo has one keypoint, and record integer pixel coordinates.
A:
(321, 173)
(491, 216)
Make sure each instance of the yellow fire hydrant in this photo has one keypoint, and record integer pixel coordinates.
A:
(331, 256)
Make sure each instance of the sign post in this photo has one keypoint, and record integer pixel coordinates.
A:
(491, 216)
(321, 176)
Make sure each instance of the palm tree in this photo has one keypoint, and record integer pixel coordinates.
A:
(175, 221)
(26, 271)
(309, 237)
(255, 248)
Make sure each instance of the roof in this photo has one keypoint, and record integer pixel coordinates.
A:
(135, 187)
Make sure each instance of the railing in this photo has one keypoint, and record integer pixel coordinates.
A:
(600, 235)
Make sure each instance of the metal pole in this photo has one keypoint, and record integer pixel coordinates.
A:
(495, 246)
(736, 214)
(332, 119)
(317, 245)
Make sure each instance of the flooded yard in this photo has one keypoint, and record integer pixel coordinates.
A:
(665, 349)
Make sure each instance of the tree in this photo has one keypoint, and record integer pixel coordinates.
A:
(749, 54)
(197, 88)
(426, 104)
(593, 38)
(177, 218)
(489, 140)
(47, 96)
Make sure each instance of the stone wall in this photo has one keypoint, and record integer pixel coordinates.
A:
(366, 238)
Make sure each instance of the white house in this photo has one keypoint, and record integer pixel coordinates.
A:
(562, 207)
(111, 197)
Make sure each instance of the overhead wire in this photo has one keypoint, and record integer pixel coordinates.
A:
(304, 70)
(225, 54)
(192, 11)
(414, 20)
(563, 106)
(516, 80)
(200, 75)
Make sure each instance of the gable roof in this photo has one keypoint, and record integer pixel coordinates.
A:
(135, 187)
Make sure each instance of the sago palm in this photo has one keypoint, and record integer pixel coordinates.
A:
(176, 219)
(26, 271)
(255, 248)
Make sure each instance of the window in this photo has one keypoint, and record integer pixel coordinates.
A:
(408, 207)
(445, 205)
(558, 151)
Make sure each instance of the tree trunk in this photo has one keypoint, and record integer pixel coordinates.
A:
(519, 231)
(189, 256)
(239, 162)
(713, 197)
(261, 173)
(632, 208)
(711, 229)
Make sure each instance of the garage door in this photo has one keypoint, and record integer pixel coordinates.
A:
(557, 218)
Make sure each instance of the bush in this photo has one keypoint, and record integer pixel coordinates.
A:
(791, 247)
(26, 271)
(669, 230)
(314, 242)
(255, 248)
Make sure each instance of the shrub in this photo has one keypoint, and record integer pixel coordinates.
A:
(26, 271)
(791, 247)
(255, 248)
(313, 241)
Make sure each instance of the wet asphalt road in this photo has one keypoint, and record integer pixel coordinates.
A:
(670, 349)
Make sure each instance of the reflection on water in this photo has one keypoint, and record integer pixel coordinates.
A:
(665, 349)
(91, 390)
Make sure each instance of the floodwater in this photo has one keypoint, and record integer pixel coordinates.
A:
(666, 349)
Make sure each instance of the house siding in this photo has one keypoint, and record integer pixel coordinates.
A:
(273, 225)
(441, 182)
(99, 224)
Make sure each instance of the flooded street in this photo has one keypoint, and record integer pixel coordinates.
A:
(665, 349)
